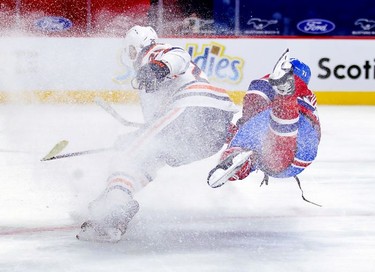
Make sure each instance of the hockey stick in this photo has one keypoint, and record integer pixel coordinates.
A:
(74, 154)
(100, 102)
(56, 150)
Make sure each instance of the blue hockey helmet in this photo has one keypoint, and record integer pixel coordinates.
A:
(301, 70)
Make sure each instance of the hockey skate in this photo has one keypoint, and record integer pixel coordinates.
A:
(111, 226)
(228, 167)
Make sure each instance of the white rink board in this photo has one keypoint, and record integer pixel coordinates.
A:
(93, 64)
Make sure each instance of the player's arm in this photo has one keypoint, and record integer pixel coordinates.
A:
(175, 58)
(257, 98)
(307, 104)
(166, 63)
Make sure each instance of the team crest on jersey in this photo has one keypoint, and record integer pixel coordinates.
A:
(218, 66)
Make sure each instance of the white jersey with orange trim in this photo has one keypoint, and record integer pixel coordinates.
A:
(186, 121)
(185, 86)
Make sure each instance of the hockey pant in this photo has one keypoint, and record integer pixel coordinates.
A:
(182, 136)
(251, 136)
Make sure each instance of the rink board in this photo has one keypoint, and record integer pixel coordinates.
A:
(75, 70)
(121, 97)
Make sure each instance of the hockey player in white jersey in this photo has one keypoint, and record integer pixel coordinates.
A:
(186, 120)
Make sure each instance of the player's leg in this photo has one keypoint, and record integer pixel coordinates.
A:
(133, 167)
(198, 133)
(190, 134)
(279, 144)
(257, 99)
(308, 139)
(240, 158)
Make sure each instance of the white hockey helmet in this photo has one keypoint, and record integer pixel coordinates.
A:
(135, 40)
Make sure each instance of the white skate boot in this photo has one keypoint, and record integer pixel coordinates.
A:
(110, 216)
(230, 168)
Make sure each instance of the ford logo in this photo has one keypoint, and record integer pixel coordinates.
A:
(316, 26)
(53, 24)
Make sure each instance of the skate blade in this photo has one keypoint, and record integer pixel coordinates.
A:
(219, 176)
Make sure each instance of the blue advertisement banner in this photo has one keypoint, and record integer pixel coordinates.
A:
(295, 18)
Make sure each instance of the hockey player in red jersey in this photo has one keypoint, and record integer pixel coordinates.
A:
(279, 131)
(186, 120)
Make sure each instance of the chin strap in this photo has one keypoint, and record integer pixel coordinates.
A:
(266, 179)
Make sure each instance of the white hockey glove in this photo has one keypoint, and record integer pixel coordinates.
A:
(151, 75)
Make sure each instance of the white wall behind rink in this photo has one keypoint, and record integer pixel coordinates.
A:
(93, 64)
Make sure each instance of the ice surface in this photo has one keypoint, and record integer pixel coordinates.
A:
(183, 224)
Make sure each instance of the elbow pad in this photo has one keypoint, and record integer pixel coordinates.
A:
(177, 60)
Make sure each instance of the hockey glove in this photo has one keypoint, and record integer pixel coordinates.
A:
(151, 75)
